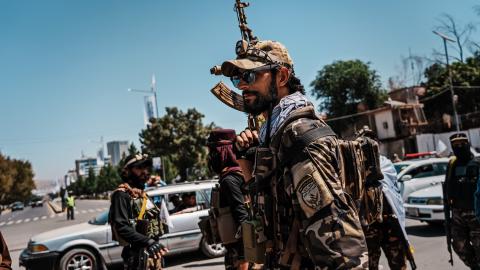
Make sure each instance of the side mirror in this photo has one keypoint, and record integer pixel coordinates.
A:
(406, 177)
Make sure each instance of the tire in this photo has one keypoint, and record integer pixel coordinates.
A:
(212, 251)
(78, 259)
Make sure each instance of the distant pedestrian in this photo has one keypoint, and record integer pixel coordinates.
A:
(70, 207)
(5, 259)
(396, 158)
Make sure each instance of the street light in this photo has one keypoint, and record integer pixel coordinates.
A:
(151, 91)
(154, 92)
(445, 39)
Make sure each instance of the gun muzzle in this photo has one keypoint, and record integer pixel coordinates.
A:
(216, 70)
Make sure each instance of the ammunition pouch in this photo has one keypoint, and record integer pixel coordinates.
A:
(264, 168)
(254, 241)
(219, 226)
(371, 208)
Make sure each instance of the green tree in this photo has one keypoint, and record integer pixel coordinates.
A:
(90, 182)
(24, 184)
(108, 179)
(16, 180)
(344, 85)
(181, 137)
(132, 150)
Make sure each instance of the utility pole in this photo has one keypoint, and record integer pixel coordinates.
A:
(445, 38)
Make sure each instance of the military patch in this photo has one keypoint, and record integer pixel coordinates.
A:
(310, 193)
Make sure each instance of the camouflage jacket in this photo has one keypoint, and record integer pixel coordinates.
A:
(314, 222)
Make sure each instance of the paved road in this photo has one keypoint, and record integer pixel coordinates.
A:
(18, 227)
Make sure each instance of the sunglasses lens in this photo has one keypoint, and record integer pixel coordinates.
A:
(235, 80)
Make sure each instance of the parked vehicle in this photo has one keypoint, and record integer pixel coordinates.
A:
(37, 203)
(90, 245)
(418, 174)
(17, 206)
(426, 205)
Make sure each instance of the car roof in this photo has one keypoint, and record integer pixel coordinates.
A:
(421, 161)
(182, 187)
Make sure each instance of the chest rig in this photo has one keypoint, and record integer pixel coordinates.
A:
(145, 216)
(465, 178)
(274, 235)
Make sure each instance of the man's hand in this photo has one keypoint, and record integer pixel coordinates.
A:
(156, 250)
(246, 139)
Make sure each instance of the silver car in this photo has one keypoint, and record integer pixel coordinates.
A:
(90, 245)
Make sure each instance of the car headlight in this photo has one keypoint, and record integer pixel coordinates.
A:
(435, 201)
(34, 248)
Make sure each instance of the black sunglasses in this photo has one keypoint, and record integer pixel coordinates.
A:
(250, 76)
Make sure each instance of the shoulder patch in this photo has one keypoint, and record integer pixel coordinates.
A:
(309, 193)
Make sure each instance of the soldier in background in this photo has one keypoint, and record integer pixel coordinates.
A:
(388, 233)
(460, 184)
(222, 161)
(311, 223)
(134, 218)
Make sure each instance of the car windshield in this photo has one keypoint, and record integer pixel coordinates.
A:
(101, 219)
(400, 167)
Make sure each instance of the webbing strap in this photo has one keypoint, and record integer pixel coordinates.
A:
(144, 207)
(312, 135)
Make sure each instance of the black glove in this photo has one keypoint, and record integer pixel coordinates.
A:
(154, 248)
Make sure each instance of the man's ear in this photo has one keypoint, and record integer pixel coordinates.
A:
(283, 75)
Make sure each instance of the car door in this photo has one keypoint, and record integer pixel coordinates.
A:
(422, 176)
(185, 234)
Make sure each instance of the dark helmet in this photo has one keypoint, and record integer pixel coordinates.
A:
(138, 160)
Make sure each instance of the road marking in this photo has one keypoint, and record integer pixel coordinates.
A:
(99, 210)
(2, 223)
(10, 222)
(90, 210)
(18, 221)
(35, 218)
(27, 220)
(52, 215)
(44, 217)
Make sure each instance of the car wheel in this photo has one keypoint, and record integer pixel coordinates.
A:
(78, 259)
(212, 251)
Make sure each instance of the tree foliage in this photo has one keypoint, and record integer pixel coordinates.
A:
(344, 85)
(16, 180)
(180, 137)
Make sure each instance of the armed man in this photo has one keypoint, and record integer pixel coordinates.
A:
(387, 231)
(135, 219)
(223, 162)
(307, 219)
(463, 229)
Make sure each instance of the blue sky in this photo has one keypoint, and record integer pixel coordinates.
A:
(65, 66)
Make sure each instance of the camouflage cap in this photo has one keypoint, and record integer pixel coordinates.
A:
(458, 137)
(262, 53)
(138, 160)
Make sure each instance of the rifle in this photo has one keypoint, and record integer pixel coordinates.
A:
(221, 90)
(447, 210)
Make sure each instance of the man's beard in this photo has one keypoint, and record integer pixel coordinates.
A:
(462, 153)
(138, 181)
(260, 103)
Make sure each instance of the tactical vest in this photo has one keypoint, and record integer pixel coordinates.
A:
(278, 212)
(464, 179)
(145, 217)
(219, 226)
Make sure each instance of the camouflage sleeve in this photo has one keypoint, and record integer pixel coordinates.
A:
(332, 232)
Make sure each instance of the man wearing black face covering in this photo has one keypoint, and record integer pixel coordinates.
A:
(460, 185)
(134, 218)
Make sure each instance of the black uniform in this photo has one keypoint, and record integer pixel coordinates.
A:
(121, 216)
(231, 195)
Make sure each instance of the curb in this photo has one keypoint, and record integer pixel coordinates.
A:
(57, 209)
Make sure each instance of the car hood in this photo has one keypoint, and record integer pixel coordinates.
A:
(67, 232)
(429, 192)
